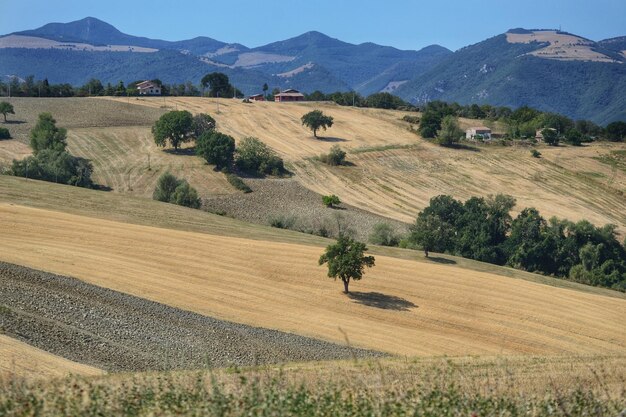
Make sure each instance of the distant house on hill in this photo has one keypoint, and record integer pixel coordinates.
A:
(539, 133)
(148, 88)
(257, 97)
(289, 95)
(479, 132)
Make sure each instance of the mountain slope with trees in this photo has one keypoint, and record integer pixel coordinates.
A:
(504, 74)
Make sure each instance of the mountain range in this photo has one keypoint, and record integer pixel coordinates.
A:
(547, 69)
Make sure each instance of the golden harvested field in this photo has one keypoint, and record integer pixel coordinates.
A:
(139, 211)
(280, 127)
(401, 307)
(19, 358)
(127, 160)
(396, 172)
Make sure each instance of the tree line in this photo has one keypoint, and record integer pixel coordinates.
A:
(521, 123)
(483, 229)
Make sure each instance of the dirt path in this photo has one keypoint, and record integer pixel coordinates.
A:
(119, 332)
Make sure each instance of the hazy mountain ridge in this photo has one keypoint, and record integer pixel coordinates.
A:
(548, 69)
(338, 65)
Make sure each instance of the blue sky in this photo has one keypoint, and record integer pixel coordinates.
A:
(403, 24)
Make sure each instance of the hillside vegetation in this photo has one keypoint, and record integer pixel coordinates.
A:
(395, 173)
(445, 387)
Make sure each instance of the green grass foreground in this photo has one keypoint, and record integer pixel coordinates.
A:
(375, 389)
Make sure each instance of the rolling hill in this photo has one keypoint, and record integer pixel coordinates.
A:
(192, 267)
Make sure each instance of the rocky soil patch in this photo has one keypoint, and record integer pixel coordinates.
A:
(119, 332)
(297, 208)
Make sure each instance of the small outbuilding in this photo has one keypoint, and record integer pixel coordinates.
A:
(539, 133)
(257, 97)
(149, 88)
(477, 133)
(289, 95)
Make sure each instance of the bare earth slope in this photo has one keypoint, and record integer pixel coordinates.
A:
(119, 332)
(400, 307)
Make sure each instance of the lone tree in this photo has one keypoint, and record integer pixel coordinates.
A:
(6, 108)
(219, 85)
(46, 135)
(216, 148)
(346, 260)
(176, 127)
(315, 120)
(330, 200)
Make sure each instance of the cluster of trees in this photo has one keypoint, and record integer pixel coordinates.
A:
(521, 123)
(170, 189)
(483, 229)
(50, 160)
(352, 98)
(251, 156)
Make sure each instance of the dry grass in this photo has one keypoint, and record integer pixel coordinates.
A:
(398, 183)
(395, 172)
(127, 160)
(279, 125)
(401, 307)
(19, 358)
(128, 209)
(401, 172)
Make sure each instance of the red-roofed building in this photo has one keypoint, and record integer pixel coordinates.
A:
(148, 88)
(289, 95)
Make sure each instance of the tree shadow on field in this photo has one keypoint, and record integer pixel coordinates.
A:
(330, 139)
(191, 151)
(445, 261)
(462, 147)
(383, 301)
(14, 122)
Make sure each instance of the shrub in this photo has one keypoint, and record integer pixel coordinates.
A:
(55, 166)
(216, 148)
(238, 183)
(414, 120)
(384, 235)
(4, 133)
(283, 222)
(335, 157)
(255, 157)
(330, 200)
(170, 189)
(166, 185)
(535, 153)
(186, 195)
